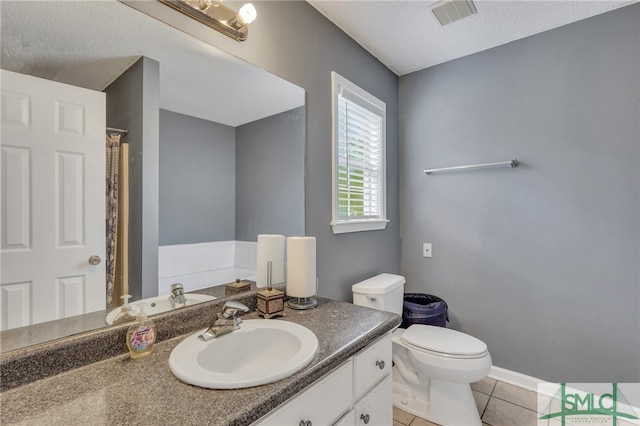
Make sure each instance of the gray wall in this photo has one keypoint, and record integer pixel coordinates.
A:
(197, 180)
(294, 41)
(133, 103)
(270, 176)
(212, 176)
(541, 262)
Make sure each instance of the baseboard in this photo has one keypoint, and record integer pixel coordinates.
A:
(514, 378)
(531, 383)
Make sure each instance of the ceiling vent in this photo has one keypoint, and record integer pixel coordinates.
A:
(448, 11)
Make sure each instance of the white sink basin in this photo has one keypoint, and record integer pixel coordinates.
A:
(261, 351)
(159, 304)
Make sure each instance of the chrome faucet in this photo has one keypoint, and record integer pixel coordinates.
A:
(177, 297)
(226, 321)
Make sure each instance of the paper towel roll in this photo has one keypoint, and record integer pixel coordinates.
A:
(270, 248)
(301, 266)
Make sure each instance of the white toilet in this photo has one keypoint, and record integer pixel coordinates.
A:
(433, 366)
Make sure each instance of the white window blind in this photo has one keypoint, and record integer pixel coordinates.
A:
(359, 159)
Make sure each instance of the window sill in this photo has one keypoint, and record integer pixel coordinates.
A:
(358, 226)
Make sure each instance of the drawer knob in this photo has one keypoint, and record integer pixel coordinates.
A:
(304, 423)
(380, 364)
(364, 418)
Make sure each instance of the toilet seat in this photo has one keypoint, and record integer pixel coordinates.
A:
(443, 342)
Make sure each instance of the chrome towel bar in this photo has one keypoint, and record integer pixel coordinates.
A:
(513, 163)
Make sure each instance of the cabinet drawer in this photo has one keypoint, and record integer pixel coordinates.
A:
(372, 364)
(376, 408)
(322, 404)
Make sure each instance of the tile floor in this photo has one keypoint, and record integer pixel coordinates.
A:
(499, 404)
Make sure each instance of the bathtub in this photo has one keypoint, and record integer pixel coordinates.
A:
(203, 265)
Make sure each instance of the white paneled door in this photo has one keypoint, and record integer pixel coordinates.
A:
(53, 200)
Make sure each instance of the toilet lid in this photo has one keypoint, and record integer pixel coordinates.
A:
(443, 340)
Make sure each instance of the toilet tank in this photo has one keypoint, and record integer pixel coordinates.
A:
(384, 292)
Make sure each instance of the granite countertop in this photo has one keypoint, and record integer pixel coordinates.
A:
(119, 390)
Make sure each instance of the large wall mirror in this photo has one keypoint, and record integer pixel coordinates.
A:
(228, 148)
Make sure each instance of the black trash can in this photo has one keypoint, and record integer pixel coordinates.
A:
(420, 308)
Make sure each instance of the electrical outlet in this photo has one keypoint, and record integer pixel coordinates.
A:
(426, 249)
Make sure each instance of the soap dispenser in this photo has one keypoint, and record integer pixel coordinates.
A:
(126, 313)
(141, 336)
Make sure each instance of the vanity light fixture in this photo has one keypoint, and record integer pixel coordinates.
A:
(217, 16)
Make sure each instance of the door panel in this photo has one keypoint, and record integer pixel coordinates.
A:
(53, 200)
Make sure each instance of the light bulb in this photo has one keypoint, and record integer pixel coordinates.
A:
(247, 14)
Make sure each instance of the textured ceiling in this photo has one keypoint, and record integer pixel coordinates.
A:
(406, 37)
(90, 43)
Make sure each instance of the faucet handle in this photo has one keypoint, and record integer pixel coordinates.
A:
(177, 298)
(231, 308)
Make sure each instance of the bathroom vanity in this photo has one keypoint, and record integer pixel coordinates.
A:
(358, 392)
(348, 382)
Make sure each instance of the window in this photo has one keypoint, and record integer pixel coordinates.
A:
(359, 184)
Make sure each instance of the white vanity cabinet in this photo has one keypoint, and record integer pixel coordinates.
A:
(359, 392)
(372, 384)
(371, 365)
(376, 407)
(373, 409)
(319, 405)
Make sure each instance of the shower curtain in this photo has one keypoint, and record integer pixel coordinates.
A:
(116, 219)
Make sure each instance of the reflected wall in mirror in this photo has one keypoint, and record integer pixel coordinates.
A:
(217, 145)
